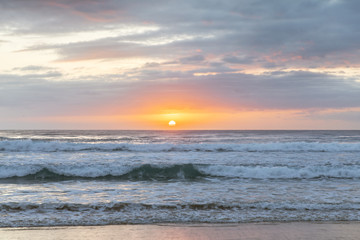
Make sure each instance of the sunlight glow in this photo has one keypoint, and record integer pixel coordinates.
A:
(172, 123)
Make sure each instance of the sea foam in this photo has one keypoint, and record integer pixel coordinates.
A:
(177, 171)
(54, 146)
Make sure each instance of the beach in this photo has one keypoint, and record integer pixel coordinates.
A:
(263, 231)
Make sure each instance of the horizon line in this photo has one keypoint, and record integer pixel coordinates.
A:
(63, 129)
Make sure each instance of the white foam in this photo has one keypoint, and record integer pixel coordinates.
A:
(281, 172)
(91, 170)
(18, 171)
(248, 172)
(53, 146)
(80, 170)
(57, 215)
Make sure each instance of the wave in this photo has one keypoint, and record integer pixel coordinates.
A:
(144, 172)
(282, 172)
(121, 206)
(78, 214)
(149, 172)
(65, 146)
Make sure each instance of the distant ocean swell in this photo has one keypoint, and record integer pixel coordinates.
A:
(149, 172)
(65, 146)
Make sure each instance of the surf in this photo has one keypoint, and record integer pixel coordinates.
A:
(66, 146)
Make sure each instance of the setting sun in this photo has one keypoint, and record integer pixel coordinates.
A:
(172, 123)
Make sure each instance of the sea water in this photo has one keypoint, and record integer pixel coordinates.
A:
(50, 178)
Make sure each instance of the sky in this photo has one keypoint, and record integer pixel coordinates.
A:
(206, 64)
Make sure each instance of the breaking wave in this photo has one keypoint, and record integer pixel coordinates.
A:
(62, 146)
(141, 173)
(121, 206)
(149, 172)
(73, 214)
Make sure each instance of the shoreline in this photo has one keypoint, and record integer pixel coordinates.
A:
(193, 224)
(261, 230)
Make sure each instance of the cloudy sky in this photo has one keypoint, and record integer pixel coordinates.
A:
(240, 64)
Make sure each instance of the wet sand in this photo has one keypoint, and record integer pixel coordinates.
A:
(263, 231)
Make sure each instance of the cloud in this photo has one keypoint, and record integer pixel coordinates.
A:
(237, 60)
(33, 68)
(151, 65)
(40, 95)
(231, 91)
(283, 90)
(302, 33)
(198, 51)
(192, 59)
(346, 115)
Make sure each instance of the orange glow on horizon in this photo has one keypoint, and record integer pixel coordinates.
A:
(230, 120)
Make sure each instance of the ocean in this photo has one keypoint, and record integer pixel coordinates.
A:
(73, 178)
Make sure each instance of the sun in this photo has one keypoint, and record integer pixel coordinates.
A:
(172, 123)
